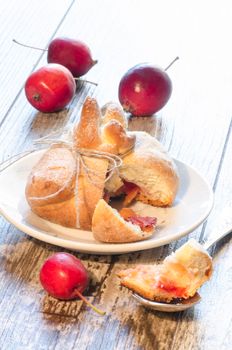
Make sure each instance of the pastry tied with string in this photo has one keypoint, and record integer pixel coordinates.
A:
(64, 187)
(102, 160)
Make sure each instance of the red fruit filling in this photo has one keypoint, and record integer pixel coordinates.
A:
(146, 223)
(169, 287)
(106, 197)
(128, 189)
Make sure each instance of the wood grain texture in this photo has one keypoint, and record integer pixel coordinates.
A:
(22, 22)
(196, 128)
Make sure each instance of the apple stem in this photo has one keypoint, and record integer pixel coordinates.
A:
(86, 81)
(170, 64)
(30, 47)
(100, 312)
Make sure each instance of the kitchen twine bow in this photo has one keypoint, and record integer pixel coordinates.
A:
(115, 162)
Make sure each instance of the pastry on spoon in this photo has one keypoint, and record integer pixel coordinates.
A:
(179, 276)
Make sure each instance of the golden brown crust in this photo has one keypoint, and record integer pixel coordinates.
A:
(141, 281)
(86, 133)
(196, 260)
(62, 213)
(152, 170)
(108, 226)
(156, 202)
(52, 179)
(114, 134)
(71, 205)
(113, 110)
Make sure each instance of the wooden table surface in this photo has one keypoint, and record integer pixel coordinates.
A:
(195, 126)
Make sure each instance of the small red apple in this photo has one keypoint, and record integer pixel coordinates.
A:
(144, 89)
(73, 54)
(50, 88)
(64, 277)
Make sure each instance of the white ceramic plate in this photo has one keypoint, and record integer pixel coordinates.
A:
(192, 206)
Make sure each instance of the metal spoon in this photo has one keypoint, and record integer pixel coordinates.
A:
(222, 227)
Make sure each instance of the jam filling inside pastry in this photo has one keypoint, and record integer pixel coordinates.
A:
(146, 223)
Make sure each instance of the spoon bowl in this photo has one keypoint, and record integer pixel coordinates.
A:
(176, 306)
(222, 227)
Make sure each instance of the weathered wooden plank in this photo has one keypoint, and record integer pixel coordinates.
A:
(23, 22)
(24, 300)
(189, 126)
(214, 309)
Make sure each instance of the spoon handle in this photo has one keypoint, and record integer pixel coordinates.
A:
(222, 227)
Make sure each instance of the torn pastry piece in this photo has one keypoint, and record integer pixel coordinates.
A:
(109, 226)
(179, 276)
(148, 171)
(113, 110)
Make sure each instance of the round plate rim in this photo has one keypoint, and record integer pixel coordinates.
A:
(113, 248)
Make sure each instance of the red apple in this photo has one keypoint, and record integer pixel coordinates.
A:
(73, 54)
(50, 88)
(144, 89)
(64, 276)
